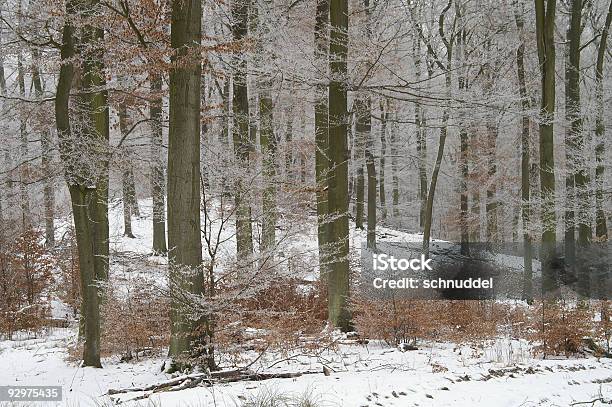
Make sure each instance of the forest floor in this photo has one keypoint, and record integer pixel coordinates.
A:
(501, 372)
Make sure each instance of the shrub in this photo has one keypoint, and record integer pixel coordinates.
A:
(26, 268)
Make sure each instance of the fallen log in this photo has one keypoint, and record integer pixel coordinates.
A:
(207, 379)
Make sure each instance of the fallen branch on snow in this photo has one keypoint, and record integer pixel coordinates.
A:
(194, 380)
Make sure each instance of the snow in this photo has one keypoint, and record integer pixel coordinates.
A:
(361, 375)
(499, 373)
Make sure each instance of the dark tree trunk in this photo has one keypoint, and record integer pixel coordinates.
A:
(545, 23)
(243, 144)
(338, 231)
(158, 181)
(601, 228)
(82, 195)
(322, 133)
(268, 149)
(191, 337)
(384, 115)
(525, 160)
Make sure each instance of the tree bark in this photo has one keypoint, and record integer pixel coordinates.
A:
(191, 336)
(45, 146)
(24, 199)
(243, 145)
(443, 127)
(384, 116)
(525, 159)
(601, 227)
(125, 174)
(338, 276)
(321, 124)
(545, 23)
(268, 149)
(158, 181)
(81, 194)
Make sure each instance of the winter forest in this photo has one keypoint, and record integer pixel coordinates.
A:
(187, 189)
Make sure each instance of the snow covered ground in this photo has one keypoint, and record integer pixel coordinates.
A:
(500, 373)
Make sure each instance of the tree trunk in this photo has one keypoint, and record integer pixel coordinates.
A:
(545, 22)
(81, 197)
(492, 205)
(191, 336)
(45, 146)
(525, 164)
(125, 174)
(384, 116)
(601, 228)
(158, 181)
(463, 142)
(243, 145)
(338, 231)
(436, 170)
(421, 137)
(364, 137)
(321, 112)
(268, 150)
(371, 171)
(394, 176)
(26, 214)
(361, 137)
(289, 159)
(572, 134)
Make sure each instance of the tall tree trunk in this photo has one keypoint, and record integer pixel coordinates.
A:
(364, 133)
(384, 117)
(421, 137)
(125, 174)
(191, 335)
(443, 127)
(545, 23)
(463, 138)
(572, 134)
(525, 155)
(321, 112)
(268, 150)
(289, 145)
(394, 174)
(243, 144)
(436, 169)
(371, 171)
(361, 138)
(45, 147)
(81, 194)
(135, 209)
(338, 231)
(601, 228)
(492, 205)
(26, 214)
(158, 181)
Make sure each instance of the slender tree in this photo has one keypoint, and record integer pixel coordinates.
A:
(243, 144)
(158, 181)
(525, 155)
(601, 228)
(45, 144)
(545, 36)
